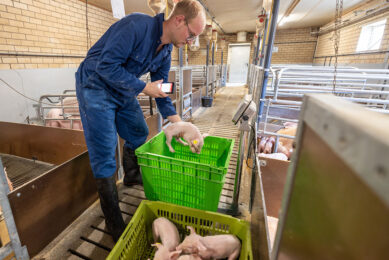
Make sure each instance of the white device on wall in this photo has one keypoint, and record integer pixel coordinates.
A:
(244, 113)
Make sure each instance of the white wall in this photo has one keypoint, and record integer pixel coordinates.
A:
(33, 83)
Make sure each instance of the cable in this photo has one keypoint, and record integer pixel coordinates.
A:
(17, 91)
(88, 38)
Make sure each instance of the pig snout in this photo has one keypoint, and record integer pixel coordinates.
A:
(167, 232)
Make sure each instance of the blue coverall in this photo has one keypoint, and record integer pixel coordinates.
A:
(107, 84)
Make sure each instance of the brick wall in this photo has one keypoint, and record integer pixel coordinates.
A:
(349, 37)
(295, 46)
(199, 57)
(48, 33)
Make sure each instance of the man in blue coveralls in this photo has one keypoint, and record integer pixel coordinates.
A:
(107, 84)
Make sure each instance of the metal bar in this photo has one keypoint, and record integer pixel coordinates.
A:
(19, 250)
(264, 40)
(207, 70)
(181, 81)
(276, 4)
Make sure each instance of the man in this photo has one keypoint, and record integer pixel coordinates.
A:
(107, 84)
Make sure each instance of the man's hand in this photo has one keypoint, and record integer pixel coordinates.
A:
(152, 90)
(174, 118)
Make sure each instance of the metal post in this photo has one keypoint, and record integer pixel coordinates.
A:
(15, 245)
(256, 61)
(120, 161)
(206, 70)
(180, 57)
(213, 69)
(264, 40)
(276, 4)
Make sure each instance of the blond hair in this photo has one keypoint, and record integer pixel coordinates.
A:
(188, 8)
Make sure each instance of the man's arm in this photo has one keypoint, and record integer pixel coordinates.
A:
(118, 48)
(174, 118)
(165, 105)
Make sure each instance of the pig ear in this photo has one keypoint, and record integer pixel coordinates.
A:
(192, 231)
(175, 254)
(205, 135)
(201, 246)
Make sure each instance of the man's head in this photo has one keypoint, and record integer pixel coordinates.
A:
(187, 21)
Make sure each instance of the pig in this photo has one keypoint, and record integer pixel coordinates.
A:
(278, 156)
(189, 245)
(72, 113)
(285, 145)
(189, 132)
(262, 143)
(269, 145)
(163, 253)
(211, 247)
(166, 231)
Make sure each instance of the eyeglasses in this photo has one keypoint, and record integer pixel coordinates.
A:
(192, 36)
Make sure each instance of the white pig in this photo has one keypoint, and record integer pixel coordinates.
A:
(189, 132)
(166, 231)
(163, 253)
(211, 247)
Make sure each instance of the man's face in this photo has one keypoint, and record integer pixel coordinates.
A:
(187, 30)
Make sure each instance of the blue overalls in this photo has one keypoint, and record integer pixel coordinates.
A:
(107, 84)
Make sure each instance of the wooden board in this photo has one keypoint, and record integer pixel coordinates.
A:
(336, 203)
(273, 178)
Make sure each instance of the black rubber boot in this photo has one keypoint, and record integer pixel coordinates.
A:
(109, 202)
(132, 175)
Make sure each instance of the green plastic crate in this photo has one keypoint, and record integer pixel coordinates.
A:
(185, 178)
(136, 240)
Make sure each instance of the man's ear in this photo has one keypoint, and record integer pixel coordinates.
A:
(179, 19)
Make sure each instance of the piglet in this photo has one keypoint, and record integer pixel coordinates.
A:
(189, 132)
(211, 247)
(189, 245)
(163, 253)
(166, 231)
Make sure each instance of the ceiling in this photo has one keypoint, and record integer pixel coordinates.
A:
(234, 16)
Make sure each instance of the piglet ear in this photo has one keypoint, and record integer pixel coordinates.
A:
(175, 254)
(192, 231)
(201, 245)
(205, 135)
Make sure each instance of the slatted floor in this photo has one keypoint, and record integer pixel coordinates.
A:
(86, 238)
(21, 170)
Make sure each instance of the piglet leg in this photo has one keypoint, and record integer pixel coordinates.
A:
(168, 142)
(180, 141)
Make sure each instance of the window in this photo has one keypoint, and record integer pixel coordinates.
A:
(371, 36)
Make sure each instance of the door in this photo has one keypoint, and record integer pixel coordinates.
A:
(238, 58)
